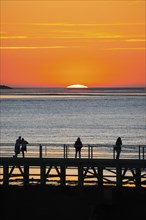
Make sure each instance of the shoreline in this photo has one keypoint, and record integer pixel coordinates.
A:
(72, 202)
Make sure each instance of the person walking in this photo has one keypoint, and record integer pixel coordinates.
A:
(117, 147)
(78, 146)
(17, 146)
(24, 146)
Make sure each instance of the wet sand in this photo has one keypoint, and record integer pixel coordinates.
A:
(72, 202)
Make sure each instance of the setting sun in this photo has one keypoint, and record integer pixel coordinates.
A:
(77, 86)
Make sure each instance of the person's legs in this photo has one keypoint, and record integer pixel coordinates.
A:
(15, 155)
(118, 154)
(79, 154)
(23, 153)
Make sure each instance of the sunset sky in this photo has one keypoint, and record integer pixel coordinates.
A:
(59, 43)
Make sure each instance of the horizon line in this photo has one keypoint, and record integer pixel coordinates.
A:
(65, 87)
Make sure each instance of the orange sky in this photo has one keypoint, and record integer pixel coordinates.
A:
(58, 43)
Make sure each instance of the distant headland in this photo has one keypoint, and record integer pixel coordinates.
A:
(5, 87)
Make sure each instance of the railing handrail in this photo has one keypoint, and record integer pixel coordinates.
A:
(89, 150)
(72, 144)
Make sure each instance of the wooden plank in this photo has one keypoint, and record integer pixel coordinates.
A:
(125, 163)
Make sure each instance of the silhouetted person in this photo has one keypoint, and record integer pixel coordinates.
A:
(17, 146)
(24, 146)
(118, 147)
(78, 145)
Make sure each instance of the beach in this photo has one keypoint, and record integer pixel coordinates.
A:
(69, 203)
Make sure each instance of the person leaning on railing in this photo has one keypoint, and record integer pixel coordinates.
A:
(117, 147)
(17, 147)
(24, 146)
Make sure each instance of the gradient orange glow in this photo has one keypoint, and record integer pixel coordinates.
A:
(60, 43)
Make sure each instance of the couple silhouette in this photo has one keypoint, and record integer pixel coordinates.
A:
(20, 146)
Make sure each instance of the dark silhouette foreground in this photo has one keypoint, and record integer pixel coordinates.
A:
(72, 203)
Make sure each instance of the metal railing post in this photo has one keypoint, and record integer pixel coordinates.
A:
(143, 153)
(65, 151)
(114, 152)
(139, 152)
(91, 151)
(40, 151)
(88, 151)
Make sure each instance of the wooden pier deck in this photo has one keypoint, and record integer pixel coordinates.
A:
(66, 170)
(89, 171)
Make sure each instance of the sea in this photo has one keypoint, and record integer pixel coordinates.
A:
(54, 117)
(60, 115)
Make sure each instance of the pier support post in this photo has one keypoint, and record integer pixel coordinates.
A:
(26, 175)
(119, 176)
(5, 175)
(100, 176)
(43, 175)
(63, 176)
(138, 177)
(80, 176)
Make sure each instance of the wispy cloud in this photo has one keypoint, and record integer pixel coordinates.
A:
(135, 40)
(73, 31)
(88, 24)
(89, 36)
(63, 24)
(128, 48)
(70, 35)
(13, 37)
(31, 47)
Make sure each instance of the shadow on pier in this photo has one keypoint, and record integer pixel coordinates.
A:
(72, 203)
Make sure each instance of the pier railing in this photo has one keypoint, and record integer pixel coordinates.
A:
(48, 150)
(56, 164)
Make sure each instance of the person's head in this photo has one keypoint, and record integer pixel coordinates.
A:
(19, 137)
(22, 139)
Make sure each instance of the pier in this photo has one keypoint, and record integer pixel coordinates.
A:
(97, 166)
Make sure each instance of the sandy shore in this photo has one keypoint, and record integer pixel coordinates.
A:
(72, 203)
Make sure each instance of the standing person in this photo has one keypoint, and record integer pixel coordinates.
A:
(118, 147)
(17, 146)
(24, 146)
(78, 145)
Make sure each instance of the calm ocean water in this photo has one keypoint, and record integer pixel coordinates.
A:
(61, 115)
